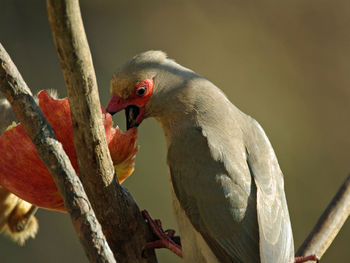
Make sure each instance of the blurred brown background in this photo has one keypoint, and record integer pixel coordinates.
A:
(286, 63)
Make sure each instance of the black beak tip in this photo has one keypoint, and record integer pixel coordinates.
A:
(111, 112)
(131, 125)
(131, 114)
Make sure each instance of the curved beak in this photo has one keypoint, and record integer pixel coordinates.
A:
(132, 112)
(116, 104)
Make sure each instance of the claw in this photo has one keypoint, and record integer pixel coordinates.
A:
(170, 233)
(165, 237)
(305, 259)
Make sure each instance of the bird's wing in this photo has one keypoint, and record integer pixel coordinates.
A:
(233, 195)
(220, 205)
(276, 238)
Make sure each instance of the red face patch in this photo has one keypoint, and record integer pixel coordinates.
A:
(140, 96)
(142, 92)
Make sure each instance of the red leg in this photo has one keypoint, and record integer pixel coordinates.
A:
(165, 237)
(305, 259)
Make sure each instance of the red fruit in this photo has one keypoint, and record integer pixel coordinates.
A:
(24, 174)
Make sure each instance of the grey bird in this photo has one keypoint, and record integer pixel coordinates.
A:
(228, 188)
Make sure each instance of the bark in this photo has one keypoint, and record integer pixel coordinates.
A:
(124, 227)
(122, 223)
(52, 154)
(329, 224)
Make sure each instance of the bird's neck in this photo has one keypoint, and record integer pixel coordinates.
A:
(177, 124)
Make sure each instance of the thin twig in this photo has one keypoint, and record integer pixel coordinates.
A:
(125, 229)
(52, 154)
(329, 224)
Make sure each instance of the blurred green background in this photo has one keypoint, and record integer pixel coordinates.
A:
(286, 63)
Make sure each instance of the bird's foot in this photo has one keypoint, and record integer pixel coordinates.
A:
(305, 259)
(166, 238)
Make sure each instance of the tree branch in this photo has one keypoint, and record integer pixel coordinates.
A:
(116, 210)
(329, 224)
(52, 154)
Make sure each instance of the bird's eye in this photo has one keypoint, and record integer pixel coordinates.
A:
(141, 91)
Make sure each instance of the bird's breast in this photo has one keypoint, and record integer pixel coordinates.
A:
(194, 247)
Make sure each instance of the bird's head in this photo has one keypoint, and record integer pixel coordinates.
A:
(133, 85)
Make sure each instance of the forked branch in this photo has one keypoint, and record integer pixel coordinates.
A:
(122, 223)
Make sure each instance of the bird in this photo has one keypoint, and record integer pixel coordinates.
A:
(226, 183)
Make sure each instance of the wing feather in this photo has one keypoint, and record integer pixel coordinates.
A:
(233, 195)
(217, 205)
(276, 238)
